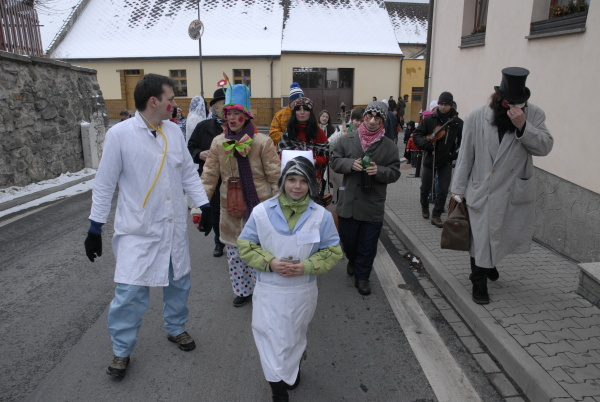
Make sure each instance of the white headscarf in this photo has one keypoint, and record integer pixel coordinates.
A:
(196, 115)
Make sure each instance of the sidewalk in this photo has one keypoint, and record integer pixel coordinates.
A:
(546, 336)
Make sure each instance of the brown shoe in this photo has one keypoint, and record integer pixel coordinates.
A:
(184, 340)
(437, 222)
(425, 212)
(118, 367)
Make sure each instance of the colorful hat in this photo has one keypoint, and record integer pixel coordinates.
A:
(295, 91)
(238, 97)
(304, 101)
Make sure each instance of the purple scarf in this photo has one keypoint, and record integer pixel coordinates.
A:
(244, 169)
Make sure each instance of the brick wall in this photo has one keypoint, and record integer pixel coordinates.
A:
(261, 107)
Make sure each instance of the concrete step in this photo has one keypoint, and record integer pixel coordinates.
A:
(589, 282)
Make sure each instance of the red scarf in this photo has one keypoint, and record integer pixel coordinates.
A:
(367, 138)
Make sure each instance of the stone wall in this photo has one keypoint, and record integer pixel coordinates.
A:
(567, 217)
(43, 102)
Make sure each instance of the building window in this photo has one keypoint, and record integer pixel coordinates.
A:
(560, 8)
(474, 23)
(480, 20)
(323, 78)
(239, 74)
(560, 17)
(180, 78)
(417, 94)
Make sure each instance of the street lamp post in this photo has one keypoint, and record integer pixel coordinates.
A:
(200, 53)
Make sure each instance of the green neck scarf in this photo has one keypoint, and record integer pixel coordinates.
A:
(292, 210)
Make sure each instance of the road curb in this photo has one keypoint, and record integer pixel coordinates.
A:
(39, 194)
(535, 382)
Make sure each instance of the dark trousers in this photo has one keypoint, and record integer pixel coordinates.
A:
(444, 177)
(359, 240)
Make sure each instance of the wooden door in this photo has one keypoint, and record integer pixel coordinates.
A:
(131, 81)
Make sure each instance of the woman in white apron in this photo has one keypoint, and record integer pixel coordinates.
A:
(288, 240)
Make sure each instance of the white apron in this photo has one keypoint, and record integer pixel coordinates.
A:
(283, 307)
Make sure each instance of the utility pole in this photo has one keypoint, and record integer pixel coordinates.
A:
(200, 53)
(428, 55)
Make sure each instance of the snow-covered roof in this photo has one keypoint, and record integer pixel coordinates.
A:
(52, 14)
(409, 21)
(341, 26)
(159, 28)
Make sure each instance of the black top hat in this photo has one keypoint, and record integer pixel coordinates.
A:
(218, 95)
(512, 88)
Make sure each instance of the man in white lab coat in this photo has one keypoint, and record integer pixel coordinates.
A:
(148, 158)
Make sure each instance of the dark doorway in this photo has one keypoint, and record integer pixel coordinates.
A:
(327, 87)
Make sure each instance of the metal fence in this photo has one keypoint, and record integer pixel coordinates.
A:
(19, 28)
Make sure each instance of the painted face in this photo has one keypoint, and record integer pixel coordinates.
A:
(218, 108)
(302, 115)
(165, 104)
(324, 118)
(296, 186)
(236, 120)
(372, 123)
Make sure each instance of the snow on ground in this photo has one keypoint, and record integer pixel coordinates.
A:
(11, 193)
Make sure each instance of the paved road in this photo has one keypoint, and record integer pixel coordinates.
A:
(55, 344)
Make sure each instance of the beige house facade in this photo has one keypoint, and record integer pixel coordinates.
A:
(562, 55)
(270, 78)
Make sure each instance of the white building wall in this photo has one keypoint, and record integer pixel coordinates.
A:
(563, 79)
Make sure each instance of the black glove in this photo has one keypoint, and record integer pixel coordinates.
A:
(206, 223)
(93, 246)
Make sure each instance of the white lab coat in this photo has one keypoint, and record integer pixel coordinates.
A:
(146, 237)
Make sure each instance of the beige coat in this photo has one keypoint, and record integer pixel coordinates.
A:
(498, 182)
(266, 168)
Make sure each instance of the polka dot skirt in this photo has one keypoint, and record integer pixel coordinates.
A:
(242, 276)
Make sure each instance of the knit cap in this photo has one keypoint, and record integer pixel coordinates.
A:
(302, 167)
(295, 91)
(446, 97)
(379, 108)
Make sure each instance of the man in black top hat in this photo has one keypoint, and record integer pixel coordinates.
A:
(439, 152)
(199, 146)
(495, 175)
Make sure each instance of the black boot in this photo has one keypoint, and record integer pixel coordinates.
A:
(493, 273)
(280, 391)
(479, 278)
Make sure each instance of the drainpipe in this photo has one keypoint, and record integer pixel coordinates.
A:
(272, 104)
(428, 53)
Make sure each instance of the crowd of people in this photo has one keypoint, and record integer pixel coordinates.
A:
(276, 222)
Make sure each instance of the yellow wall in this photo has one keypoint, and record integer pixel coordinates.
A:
(373, 75)
(413, 75)
(108, 75)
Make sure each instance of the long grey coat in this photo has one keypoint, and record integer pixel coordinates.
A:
(352, 201)
(497, 180)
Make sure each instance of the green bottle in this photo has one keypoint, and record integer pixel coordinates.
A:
(366, 160)
(366, 181)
